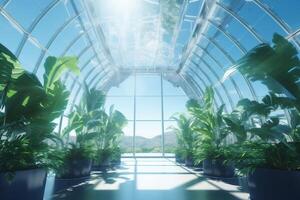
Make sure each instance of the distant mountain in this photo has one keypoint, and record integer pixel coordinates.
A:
(155, 142)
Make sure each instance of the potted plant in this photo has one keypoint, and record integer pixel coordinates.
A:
(109, 133)
(77, 162)
(28, 109)
(185, 138)
(210, 139)
(179, 154)
(274, 169)
(78, 155)
(116, 156)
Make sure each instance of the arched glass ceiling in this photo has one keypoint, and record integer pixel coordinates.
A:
(193, 43)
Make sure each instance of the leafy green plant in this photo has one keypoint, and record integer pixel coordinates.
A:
(185, 135)
(94, 128)
(275, 66)
(209, 126)
(109, 133)
(276, 145)
(28, 110)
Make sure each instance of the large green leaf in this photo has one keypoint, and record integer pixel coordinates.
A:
(10, 70)
(93, 98)
(275, 66)
(24, 98)
(54, 67)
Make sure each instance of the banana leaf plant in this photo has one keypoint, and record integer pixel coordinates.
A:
(209, 126)
(185, 134)
(28, 109)
(109, 133)
(82, 121)
(277, 67)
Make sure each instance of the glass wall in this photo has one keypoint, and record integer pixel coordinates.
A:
(148, 102)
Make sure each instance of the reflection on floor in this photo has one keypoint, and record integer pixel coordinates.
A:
(144, 179)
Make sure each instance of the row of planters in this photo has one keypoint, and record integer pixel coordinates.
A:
(29, 145)
(28, 109)
(98, 134)
(254, 140)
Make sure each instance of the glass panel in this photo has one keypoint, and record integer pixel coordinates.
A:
(127, 140)
(256, 18)
(29, 57)
(173, 105)
(10, 37)
(32, 9)
(170, 138)
(148, 137)
(64, 38)
(171, 90)
(124, 89)
(153, 23)
(50, 23)
(148, 85)
(123, 104)
(287, 10)
(148, 108)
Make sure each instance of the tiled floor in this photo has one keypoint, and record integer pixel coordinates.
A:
(146, 179)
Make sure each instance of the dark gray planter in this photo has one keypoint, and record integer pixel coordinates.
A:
(217, 168)
(269, 184)
(26, 184)
(104, 164)
(189, 162)
(116, 162)
(76, 169)
(179, 159)
(243, 183)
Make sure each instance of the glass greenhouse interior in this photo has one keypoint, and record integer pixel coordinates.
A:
(149, 99)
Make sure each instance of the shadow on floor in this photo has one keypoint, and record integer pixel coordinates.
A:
(102, 185)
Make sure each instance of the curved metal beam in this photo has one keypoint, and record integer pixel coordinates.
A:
(52, 39)
(35, 23)
(241, 21)
(221, 67)
(208, 78)
(266, 9)
(77, 92)
(217, 77)
(195, 85)
(200, 89)
(4, 3)
(186, 83)
(231, 38)
(74, 41)
(294, 34)
(83, 51)
(230, 59)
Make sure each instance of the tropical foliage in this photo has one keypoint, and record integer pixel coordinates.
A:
(271, 143)
(28, 111)
(209, 127)
(97, 132)
(185, 135)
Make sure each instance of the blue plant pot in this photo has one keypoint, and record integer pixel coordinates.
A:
(189, 162)
(76, 169)
(116, 162)
(270, 184)
(104, 164)
(179, 159)
(26, 184)
(217, 168)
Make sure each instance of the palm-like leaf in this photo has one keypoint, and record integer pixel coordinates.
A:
(276, 66)
(54, 67)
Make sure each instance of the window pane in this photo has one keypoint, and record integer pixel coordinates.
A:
(148, 108)
(148, 137)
